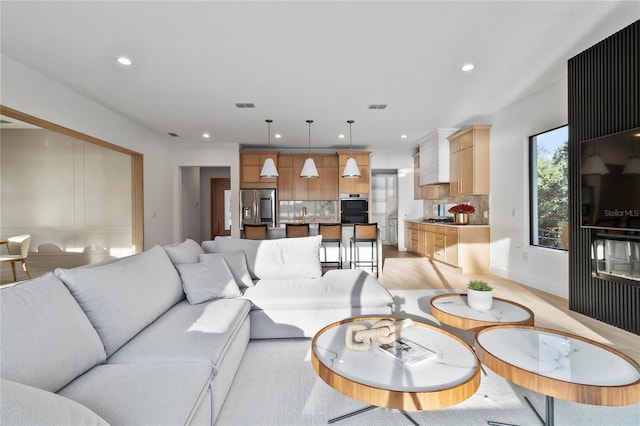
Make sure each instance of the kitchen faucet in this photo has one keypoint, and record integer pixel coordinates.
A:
(303, 213)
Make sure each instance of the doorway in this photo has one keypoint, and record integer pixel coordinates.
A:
(220, 207)
(384, 204)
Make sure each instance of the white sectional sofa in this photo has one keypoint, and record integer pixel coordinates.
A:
(157, 338)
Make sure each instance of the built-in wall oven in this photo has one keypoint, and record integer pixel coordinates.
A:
(354, 208)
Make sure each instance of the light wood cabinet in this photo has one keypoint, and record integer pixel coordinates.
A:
(291, 187)
(469, 161)
(359, 185)
(250, 166)
(465, 247)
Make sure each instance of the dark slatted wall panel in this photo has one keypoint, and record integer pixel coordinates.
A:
(604, 98)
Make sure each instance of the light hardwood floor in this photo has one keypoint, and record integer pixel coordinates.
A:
(405, 271)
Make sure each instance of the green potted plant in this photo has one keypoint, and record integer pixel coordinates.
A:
(479, 295)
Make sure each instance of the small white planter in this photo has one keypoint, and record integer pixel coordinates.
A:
(480, 300)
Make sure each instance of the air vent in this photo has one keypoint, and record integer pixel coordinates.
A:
(377, 106)
(245, 105)
(175, 135)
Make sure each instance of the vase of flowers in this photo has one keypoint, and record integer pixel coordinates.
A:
(479, 295)
(461, 213)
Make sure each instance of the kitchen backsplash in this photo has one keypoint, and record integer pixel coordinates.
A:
(480, 202)
(317, 211)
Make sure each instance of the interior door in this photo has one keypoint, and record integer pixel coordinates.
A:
(220, 207)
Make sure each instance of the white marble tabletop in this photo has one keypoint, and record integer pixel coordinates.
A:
(501, 311)
(456, 362)
(558, 357)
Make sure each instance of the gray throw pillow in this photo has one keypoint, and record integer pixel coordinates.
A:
(237, 263)
(184, 252)
(208, 280)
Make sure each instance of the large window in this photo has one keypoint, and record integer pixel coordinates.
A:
(549, 204)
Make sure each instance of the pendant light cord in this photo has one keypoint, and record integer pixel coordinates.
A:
(309, 122)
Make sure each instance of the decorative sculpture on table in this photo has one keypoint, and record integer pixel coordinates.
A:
(358, 337)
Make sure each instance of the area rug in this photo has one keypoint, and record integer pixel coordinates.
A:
(276, 385)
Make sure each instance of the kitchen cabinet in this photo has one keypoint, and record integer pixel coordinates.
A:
(465, 247)
(291, 187)
(250, 166)
(469, 161)
(359, 185)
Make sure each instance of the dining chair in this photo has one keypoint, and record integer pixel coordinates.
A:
(255, 231)
(18, 249)
(296, 230)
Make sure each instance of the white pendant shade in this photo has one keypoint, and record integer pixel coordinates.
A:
(269, 169)
(351, 169)
(309, 169)
(594, 166)
(632, 167)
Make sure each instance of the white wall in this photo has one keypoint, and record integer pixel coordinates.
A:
(190, 202)
(402, 160)
(511, 255)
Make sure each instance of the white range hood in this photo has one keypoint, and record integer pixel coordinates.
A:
(434, 157)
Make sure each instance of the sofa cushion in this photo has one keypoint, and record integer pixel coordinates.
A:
(144, 394)
(47, 340)
(25, 405)
(351, 288)
(282, 258)
(123, 297)
(207, 281)
(237, 263)
(188, 333)
(184, 252)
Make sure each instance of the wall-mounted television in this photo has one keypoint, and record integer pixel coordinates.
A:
(610, 175)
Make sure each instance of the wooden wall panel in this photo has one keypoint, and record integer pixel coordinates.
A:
(604, 98)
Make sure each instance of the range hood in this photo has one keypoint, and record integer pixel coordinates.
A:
(434, 157)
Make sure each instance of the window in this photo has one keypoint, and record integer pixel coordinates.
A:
(548, 185)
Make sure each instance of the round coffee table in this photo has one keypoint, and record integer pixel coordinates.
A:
(452, 309)
(376, 378)
(562, 365)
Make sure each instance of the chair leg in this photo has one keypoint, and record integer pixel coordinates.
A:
(13, 269)
(26, 269)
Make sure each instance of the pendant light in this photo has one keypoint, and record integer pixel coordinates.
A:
(594, 165)
(309, 170)
(269, 168)
(351, 169)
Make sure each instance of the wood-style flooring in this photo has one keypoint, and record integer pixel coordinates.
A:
(405, 271)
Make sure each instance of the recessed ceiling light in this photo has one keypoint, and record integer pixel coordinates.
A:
(123, 60)
(403, 136)
(468, 67)
(277, 136)
(206, 135)
(341, 136)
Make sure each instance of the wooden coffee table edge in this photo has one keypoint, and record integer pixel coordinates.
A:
(402, 400)
(471, 324)
(576, 392)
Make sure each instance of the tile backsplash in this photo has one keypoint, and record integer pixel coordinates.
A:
(480, 202)
(317, 211)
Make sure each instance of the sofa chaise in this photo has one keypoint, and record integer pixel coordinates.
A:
(157, 338)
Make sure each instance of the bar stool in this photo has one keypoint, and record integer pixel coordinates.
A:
(255, 231)
(364, 233)
(331, 233)
(296, 230)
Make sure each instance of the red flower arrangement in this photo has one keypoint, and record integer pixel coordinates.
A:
(462, 208)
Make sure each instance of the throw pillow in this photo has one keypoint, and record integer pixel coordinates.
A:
(237, 263)
(208, 280)
(184, 252)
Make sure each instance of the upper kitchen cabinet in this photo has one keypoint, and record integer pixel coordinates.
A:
(250, 166)
(359, 185)
(469, 161)
(291, 187)
(427, 192)
(434, 157)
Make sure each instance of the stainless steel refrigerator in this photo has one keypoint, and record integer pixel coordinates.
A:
(257, 206)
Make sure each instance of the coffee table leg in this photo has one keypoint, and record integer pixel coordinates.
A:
(346, 416)
(548, 409)
(413, 422)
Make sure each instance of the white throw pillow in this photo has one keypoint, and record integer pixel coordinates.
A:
(237, 263)
(208, 280)
(286, 258)
(184, 252)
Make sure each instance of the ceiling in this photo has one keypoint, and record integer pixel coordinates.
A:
(297, 60)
